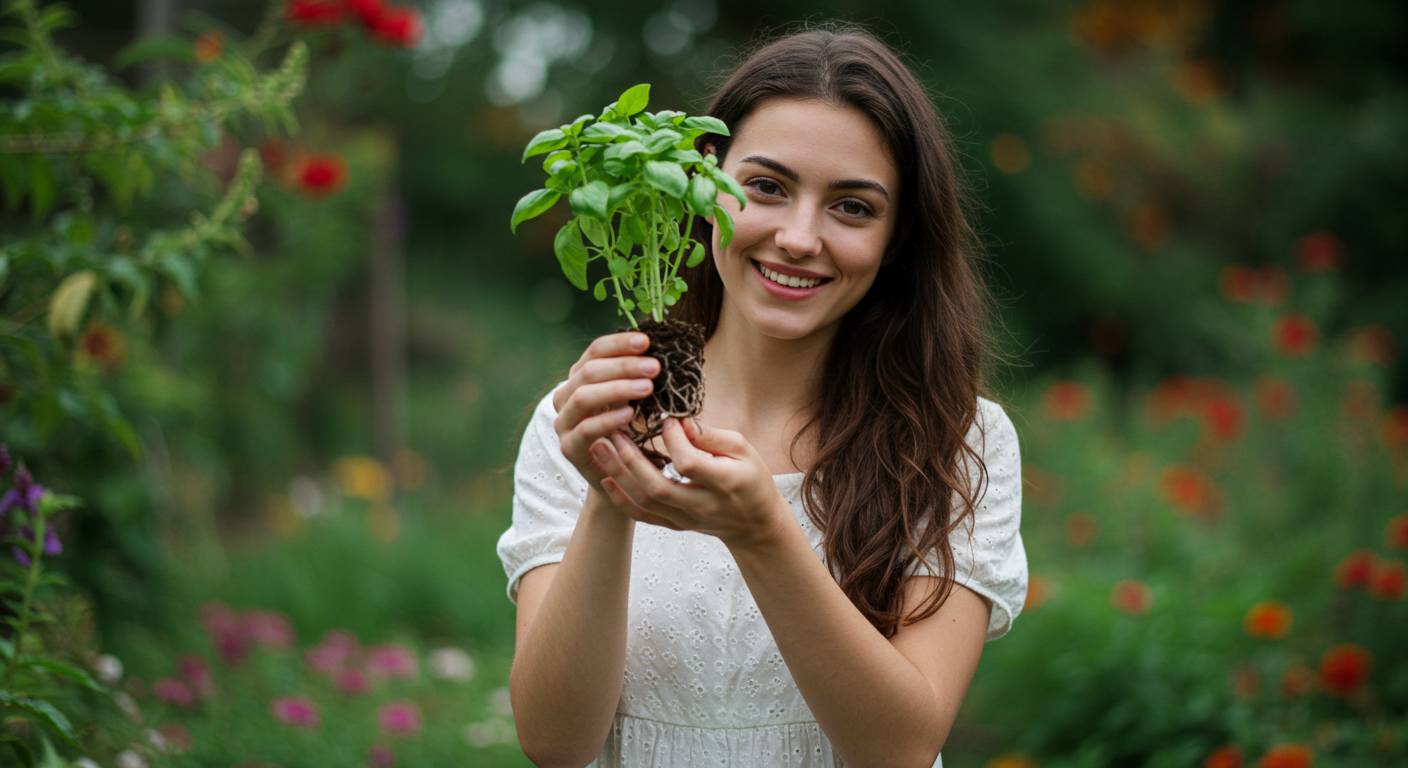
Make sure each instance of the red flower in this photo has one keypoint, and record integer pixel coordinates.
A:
(102, 344)
(399, 718)
(367, 11)
(1287, 756)
(1297, 681)
(1396, 426)
(1229, 756)
(1345, 668)
(1222, 418)
(1131, 597)
(208, 47)
(1397, 532)
(1268, 621)
(1275, 397)
(1388, 581)
(1036, 594)
(1066, 401)
(1355, 570)
(295, 711)
(1238, 283)
(1372, 345)
(1319, 251)
(397, 26)
(312, 13)
(321, 175)
(1294, 335)
(1189, 491)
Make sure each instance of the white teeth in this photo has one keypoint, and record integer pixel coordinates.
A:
(789, 280)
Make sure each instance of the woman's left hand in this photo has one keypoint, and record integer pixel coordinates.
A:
(730, 493)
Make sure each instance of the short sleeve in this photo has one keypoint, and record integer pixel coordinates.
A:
(988, 553)
(548, 494)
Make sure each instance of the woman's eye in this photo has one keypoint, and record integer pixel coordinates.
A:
(855, 208)
(765, 186)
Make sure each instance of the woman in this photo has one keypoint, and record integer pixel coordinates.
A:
(708, 615)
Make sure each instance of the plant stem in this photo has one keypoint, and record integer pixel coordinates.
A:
(30, 582)
(685, 240)
(611, 249)
(654, 259)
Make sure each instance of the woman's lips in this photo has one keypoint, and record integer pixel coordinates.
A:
(786, 292)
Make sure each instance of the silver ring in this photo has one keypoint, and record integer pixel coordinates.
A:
(674, 474)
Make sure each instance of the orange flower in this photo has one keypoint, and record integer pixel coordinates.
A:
(1388, 581)
(208, 47)
(1294, 335)
(1131, 597)
(1287, 756)
(1222, 418)
(1269, 620)
(1066, 401)
(1011, 760)
(1239, 283)
(1036, 594)
(1356, 569)
(1229, 756)
(1297, 681)
(1010, 153)
(320, 175)
(1396, 426)
(1345, 668)
(1371, 345)
(1397, 532)
(102, 344)
(1189, 491)
(1319, 251)
(1275, 397)
(1080, 530)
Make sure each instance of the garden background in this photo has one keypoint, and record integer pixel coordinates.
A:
(267, 346)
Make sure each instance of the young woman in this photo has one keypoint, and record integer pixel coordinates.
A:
(811, 581)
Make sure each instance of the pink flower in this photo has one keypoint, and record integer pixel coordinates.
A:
(380, 757)
(269, 629)
(391, 661)
(353, 682)
(227, 632)
(295, 711)
(336, 650)
(399, 718)
(196, 674)
(173, 691)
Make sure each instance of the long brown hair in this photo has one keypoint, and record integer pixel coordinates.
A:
(901, 380)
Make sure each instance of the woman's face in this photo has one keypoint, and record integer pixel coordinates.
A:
(822, 199)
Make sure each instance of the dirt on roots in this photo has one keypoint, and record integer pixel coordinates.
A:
(679, 387)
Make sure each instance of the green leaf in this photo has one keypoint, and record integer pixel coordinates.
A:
(575, 127)
(626, 150)
(531, 206)
(633, 100)
(685, 156)
(729, 184)
(666, 177)
(47, 715)
(571, 254)
(696, 257)
(595, 231)
(598, 133)
(591, 200)
(70, 299)
(599, 292)
(661, 140)
(619, 194)
(154, 47)
(702, 196)
(64, 670)
(41, 186)
(706, 124)
(620, 269)
(633, 227)
(725, 224)
(545, 141)
(555, 157)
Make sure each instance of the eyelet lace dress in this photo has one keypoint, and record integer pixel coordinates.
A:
(705, 684)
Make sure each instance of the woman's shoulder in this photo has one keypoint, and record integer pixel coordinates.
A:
(993, 424)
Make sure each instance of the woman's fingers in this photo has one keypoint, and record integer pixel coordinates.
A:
(646, 484)
(592, 399)
(608, 461)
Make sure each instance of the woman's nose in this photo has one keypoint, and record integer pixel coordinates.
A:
(798, 233)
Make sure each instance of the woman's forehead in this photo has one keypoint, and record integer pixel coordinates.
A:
(816, 137)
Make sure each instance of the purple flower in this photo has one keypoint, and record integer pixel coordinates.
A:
(295, 711)
(52, 545)
(26, 493)
(399, 718)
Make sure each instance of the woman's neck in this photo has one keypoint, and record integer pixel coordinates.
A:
(757, 381)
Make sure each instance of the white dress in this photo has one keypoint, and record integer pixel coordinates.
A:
(705, 684)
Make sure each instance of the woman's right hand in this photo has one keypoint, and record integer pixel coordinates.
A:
(594, 402)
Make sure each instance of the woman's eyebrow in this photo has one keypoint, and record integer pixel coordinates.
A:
(772, 164)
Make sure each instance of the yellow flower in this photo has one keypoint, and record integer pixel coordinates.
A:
(363, 478)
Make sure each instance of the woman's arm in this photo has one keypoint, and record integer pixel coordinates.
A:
(569, 665)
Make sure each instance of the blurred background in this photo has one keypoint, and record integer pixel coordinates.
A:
(267, 348)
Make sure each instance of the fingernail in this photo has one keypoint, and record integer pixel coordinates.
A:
(639, 340)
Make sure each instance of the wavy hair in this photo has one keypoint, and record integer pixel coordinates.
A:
(901, 380)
